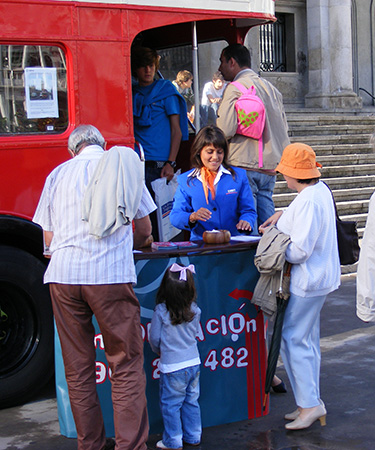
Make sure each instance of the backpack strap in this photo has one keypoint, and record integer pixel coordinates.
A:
(242, 88)
(260, 152)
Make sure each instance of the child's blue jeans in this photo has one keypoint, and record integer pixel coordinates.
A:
(179, 393)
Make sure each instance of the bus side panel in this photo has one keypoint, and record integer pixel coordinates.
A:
(104, 78)
(31, 20)
(99, 23)
(103, 75)
(22, 178)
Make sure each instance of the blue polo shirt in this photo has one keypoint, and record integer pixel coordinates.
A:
(155, 134)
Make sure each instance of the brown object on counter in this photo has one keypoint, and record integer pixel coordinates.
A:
(216, 237)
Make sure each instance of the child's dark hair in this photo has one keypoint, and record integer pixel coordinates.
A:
(178, 295)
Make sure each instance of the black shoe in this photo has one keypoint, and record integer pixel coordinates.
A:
(109, 444)
(279, 388)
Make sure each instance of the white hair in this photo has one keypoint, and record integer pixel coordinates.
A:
(83, 136)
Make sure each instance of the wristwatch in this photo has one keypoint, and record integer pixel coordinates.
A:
(171, 163)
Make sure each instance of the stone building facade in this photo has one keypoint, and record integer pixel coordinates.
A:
(329, 48)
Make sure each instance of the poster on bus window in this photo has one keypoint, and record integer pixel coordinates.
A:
(41, 92)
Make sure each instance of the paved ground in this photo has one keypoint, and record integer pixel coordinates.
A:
(347, 385)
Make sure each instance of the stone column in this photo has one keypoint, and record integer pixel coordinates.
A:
(330, 55)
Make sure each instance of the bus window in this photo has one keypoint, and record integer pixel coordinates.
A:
(33, 90)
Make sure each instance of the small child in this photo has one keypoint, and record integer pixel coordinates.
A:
(174, 328)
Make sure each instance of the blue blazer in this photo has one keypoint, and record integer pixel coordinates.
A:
(233, 202)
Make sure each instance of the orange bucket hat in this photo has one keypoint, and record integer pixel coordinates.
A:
(299, 161)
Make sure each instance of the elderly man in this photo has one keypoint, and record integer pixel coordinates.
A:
(90, 275)
(243, 151)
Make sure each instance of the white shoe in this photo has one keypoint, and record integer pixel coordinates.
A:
(317, 413)
(293, 415)
(161, 445)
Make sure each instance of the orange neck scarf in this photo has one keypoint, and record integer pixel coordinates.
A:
(208, 179)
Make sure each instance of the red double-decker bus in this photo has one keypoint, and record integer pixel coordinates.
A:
(64, 63)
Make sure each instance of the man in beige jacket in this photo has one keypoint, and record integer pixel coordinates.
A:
(243, 151)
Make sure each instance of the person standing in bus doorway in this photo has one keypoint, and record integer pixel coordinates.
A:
(211, 98)
(90, 275)
(183, 82)
(160, 119)
(243, 151)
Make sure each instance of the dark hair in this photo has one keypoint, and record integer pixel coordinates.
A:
(239, 53)
(209, 135)
(142, 57)
(309, 180)
(217, 76)
(178, 295)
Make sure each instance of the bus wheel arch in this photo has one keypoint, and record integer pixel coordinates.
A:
(26, 327)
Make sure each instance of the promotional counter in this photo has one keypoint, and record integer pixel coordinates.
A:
(231, 339)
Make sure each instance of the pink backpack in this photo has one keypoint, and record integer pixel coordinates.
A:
(251, 116)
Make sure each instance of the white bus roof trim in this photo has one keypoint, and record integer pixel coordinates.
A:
(251, 6)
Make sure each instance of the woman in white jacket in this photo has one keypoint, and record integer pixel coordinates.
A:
(310, 222)
(366, 269)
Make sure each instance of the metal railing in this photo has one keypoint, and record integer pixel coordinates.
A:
(368, 93)
(273, 46)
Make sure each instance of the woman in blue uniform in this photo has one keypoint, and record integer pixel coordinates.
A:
(213, 195)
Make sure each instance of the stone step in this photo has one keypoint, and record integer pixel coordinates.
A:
(299, 120)
(354, 159)
(348, 171)
(333, 139)
(342, 130)
(356, 193)
(351, 207)
(349, 182)
(344, 149)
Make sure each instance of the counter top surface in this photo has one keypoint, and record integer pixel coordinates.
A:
(233, 246)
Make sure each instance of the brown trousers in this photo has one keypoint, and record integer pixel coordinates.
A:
(117, 312)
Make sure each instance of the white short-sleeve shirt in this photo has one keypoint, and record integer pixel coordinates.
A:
(209, 89)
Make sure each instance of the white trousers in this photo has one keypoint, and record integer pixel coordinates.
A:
(300, 348)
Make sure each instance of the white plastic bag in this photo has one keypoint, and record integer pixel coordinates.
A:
(164, 194)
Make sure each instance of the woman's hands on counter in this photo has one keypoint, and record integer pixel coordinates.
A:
(243, 225)
(270, 221)
(202, 214)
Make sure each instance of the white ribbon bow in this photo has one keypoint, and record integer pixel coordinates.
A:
(177, 268)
